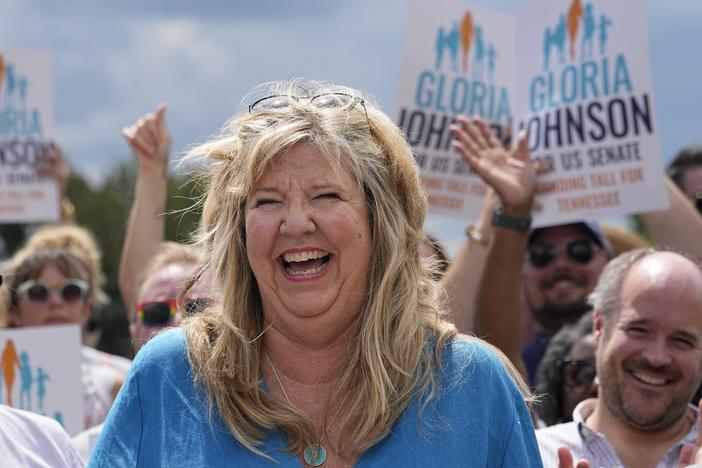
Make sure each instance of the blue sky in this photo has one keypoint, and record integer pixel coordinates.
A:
(114, 61)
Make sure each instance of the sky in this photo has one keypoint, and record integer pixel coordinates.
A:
(114, 61)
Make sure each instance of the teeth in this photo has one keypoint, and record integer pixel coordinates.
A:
(648, 379)
(303, 256)
(311, 271)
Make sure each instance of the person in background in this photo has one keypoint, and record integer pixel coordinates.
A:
(566, 374)
(521, 302)
(328, 344)
(51, 286)
(648, 332)
(159, 303)
(686, 171)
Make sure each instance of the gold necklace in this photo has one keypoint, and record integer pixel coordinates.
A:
(314, 454)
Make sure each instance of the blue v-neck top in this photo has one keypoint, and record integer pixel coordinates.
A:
(160, 418)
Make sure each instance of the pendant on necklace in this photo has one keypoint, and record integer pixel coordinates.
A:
(315, 455)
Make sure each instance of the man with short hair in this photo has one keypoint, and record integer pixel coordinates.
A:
(648, 330)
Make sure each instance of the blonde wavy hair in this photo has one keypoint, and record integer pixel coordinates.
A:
(402, 332)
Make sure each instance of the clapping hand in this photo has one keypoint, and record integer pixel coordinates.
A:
(565, 459)
(511, 173)
(692, 453)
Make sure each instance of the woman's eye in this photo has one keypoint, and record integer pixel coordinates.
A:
(329, 196)
(264, 201)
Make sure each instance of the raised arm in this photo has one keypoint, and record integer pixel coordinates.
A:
(680, 226)
(151, 143)
(513, 178)
(463, 275)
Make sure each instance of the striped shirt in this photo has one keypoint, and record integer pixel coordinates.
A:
(593, 446)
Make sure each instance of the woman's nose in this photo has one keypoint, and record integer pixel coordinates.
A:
(297, 220)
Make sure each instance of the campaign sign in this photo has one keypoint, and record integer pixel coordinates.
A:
(40, 372)
(584, 95)
(26, 125)
(459, 60)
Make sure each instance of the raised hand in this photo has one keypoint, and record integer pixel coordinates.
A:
(511, 174)
(150, 140)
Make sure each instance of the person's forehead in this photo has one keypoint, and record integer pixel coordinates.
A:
(556, 234)
(663, 287)
(167, 282)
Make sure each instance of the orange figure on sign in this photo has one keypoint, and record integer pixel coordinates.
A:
(575, 14)
(8, 361)
(2, 72)
(466, 39)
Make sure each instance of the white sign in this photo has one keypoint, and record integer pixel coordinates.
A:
(40, 372)
(459, 60)
(574, 74)
(26, 125)
(584, 95)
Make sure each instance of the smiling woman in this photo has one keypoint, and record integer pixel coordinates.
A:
(329, 345)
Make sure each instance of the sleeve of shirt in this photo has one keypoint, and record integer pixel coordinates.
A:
(119, 443)
(522, 448)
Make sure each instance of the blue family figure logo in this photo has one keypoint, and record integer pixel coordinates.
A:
(17, 117)
(26, 380)
(42, 377)
(447, 40)
(578, 20)
(477, 55)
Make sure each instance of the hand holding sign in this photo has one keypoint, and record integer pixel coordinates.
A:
(54, 166)
(150, 140)
(511, 174)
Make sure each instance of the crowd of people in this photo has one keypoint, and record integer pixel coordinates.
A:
(314, 322)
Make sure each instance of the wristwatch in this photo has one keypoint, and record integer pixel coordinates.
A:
(516, 223)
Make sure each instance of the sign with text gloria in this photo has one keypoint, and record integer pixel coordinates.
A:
(575, 75)
(584, 96)
(459, 60)
(26, 125)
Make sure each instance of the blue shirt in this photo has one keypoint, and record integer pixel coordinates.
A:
(160, 419)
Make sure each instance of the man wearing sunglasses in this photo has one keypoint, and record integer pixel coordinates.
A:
(531, 284)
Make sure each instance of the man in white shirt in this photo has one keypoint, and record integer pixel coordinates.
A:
(648, 329)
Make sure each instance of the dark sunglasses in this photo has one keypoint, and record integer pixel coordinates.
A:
(154, 314)
(578, 250)
(71, 290)
(577, 372)
(698, 201)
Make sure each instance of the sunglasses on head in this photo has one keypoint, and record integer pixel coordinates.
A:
(158, 313)
(70, 291)
(578, 250)
(577, 372)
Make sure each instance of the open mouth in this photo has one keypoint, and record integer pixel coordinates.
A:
(306, 263)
